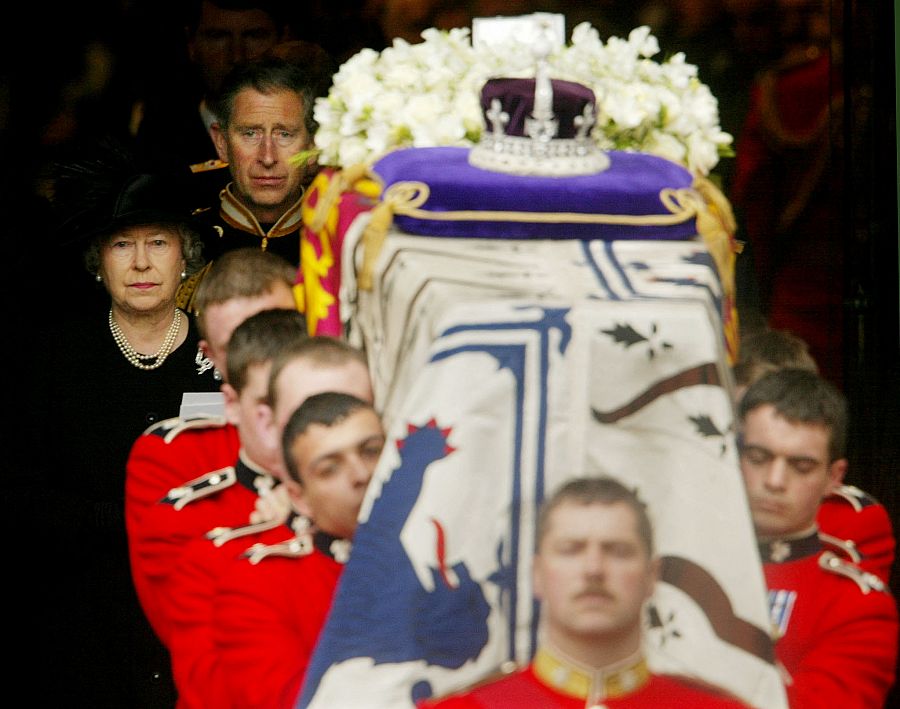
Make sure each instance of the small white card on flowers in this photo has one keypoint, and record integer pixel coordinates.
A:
(519, 28)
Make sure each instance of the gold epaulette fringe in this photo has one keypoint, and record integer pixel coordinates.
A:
(184, 298)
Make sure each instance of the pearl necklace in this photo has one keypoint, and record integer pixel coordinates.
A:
(133, 356)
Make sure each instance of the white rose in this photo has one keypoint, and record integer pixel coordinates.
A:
(630, 105)
(703, 153)
(666, 146)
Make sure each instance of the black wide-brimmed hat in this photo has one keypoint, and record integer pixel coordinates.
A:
(107, 187)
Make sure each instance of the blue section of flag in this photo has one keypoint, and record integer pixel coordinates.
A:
(513, 357)
(381, 610)
(381, 581)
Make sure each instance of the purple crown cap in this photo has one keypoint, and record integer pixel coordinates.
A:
(538, 126)
(516, 99)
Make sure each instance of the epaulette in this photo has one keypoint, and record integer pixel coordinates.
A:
(220, 535)
(184, 297)
(846, 546)
(293, 548)
(831, 562)
(857, 498)
(168, 429)
(302, 544)
(201, 487)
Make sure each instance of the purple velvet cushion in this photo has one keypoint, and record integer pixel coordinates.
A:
(630, 187)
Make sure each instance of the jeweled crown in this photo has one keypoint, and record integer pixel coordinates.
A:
(538, 126)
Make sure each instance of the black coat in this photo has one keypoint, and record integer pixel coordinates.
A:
(87, 404)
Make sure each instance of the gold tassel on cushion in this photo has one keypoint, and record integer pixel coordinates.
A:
(372, 240)
(399, 197)
(716, 225)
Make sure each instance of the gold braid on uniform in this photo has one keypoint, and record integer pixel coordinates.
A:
(184, 298)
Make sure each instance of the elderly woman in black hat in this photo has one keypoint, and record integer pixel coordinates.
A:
(101, 374)
(142, 257)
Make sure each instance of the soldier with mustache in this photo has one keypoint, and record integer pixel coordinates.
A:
(594, 568)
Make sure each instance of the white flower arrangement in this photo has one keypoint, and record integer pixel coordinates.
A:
(428, 94)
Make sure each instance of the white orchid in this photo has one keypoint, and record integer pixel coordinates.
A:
(428, 94)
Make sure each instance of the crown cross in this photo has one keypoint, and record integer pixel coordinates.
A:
(542, 126)
(497, 116)
(584, 122)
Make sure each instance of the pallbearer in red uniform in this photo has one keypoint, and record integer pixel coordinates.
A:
(302, 367)
(836, 622)
(225, 491)
(594, 567)
(848, 517)
(272, 602)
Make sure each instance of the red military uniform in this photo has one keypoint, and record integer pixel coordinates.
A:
(192, 586)
(550, 682)
(172, 451)
(836, 625)
(268, 615)
(862, 526)
(222, 498)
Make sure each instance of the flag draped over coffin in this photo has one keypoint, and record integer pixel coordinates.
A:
(504, 368)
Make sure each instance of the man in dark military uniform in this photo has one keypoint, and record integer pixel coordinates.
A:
(264, 133)
(223, 210)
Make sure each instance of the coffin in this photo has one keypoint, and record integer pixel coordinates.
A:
(510, 351)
